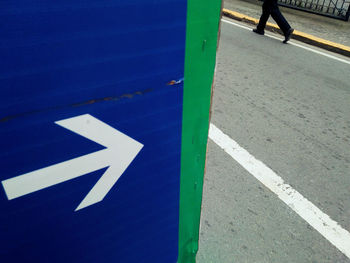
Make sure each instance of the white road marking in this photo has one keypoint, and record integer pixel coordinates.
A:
(292, 43)
(327, 227)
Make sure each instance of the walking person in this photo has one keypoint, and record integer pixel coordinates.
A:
(270, 7)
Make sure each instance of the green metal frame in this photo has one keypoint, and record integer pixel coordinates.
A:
(203, 20)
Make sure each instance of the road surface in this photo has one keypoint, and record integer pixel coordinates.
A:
(289, 107)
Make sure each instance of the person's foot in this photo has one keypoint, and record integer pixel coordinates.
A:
(288, 35)
(260, 32)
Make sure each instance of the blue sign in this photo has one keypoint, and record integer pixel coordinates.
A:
(90, 128)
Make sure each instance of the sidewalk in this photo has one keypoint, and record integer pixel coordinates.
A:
(330, 29)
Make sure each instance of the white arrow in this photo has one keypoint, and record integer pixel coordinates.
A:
(119, 153)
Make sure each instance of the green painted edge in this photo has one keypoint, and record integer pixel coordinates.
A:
(203, 20)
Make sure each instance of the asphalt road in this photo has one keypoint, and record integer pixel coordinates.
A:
(290, 109)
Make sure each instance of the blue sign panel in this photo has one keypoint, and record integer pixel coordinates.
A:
(90, 128)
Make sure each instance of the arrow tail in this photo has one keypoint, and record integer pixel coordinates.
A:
(34, 181)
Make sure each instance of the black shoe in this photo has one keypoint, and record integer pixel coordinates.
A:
(288, 35)
(260, 32)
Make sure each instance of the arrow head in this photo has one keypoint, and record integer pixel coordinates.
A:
(121, 152)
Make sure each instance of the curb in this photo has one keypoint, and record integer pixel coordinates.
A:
(301, 36)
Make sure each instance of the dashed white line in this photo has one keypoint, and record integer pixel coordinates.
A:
(292, 43)
(327, 227)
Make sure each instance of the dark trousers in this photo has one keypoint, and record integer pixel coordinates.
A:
(270, 7)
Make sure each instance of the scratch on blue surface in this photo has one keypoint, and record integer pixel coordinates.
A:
(175, 82)
(115, 98)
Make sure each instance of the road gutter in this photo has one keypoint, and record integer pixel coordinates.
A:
(298, 35)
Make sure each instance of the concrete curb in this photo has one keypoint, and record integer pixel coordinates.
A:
(301, 36)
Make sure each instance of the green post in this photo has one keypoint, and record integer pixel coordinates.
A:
(203, 20)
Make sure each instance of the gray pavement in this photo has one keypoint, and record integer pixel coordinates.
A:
(331, 29)
(290, 109)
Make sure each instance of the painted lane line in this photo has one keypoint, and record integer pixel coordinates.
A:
(292, 43)
(321, 222)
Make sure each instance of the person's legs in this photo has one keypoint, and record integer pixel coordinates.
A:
(266, 10)
(281, 22)
(279, 18)
(271, 7)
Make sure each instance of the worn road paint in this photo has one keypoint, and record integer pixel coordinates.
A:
(321, 222)
(292, 43)
(120, 152)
